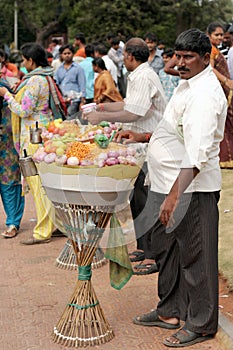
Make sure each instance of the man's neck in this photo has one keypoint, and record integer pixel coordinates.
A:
(67, 64)
(136, 65)
(152, 55)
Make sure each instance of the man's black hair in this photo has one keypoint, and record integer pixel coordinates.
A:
(168, 52)
(193, 40)
(115, 41)
(80, 36)
(89, 50)
(67, 46)
(101, 49)
(138, 49)
(55, 41)
(151, 37)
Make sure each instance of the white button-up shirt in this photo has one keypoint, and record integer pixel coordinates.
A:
(189, 135)
(145, 97)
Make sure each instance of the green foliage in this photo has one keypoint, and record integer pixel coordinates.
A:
(167, 18)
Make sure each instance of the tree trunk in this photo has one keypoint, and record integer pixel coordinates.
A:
(51, 28)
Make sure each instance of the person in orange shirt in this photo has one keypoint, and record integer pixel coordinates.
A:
(80, 42)
(105, 89)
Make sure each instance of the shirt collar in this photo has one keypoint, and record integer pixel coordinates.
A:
(155, 55)
(138, 69)
(72, 64)
(195, 80)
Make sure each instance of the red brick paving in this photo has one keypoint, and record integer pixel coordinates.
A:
(34, 292)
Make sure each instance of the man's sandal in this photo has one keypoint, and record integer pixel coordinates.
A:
(185, 337)
(136, 256)
(145, 269)
(152, 319)
(11, 232)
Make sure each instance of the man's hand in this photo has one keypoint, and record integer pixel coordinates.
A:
(170, 203)
(129, 137)
(167, 209)
(93, 117)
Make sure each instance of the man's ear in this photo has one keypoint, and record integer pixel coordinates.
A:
(130, 57)
(207, 58)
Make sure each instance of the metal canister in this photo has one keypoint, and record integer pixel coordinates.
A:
(35, 134)
(27, 165)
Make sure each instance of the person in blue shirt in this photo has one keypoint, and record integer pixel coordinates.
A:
(155, 60)
(86, 64)
(168, 81)
(71, 79)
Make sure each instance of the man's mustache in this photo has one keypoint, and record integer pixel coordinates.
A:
(183, 69)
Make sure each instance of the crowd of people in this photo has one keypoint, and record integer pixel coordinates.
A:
(179, 100)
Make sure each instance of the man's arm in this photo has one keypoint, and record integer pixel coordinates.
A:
(169, 67)
(118, 116)
(170, 203)
(110, 107)
(129, 136)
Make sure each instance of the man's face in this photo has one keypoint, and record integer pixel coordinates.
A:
(96, 54)
(67, 56)
(190, 63)
(227, 39)
(76, 42)
(116, 47)
(151, 45)
(165, 58)
(128, 61)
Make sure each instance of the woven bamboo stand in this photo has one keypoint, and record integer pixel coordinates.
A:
(85, 200)
(67, 258)
(83, 322)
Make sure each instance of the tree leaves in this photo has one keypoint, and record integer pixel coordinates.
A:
(167, 18)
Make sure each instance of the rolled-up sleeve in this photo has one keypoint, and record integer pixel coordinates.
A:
(200, 130)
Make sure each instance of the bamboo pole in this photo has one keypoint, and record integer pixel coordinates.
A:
(83, 322)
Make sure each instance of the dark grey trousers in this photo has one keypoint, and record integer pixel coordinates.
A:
(137, 204)
(187, 257)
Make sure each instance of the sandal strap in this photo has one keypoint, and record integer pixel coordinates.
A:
(10, 232)
(185, 335)
(11, 228)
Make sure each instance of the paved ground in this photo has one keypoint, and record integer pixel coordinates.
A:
(34, 292)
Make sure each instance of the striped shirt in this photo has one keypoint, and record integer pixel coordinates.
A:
(144, 97)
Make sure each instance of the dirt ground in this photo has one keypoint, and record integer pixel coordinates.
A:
(225, 298)
(225, 245)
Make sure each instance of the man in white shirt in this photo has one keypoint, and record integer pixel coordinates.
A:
(145, 100)
(116, 55)
(185, 179)
(141, 111)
